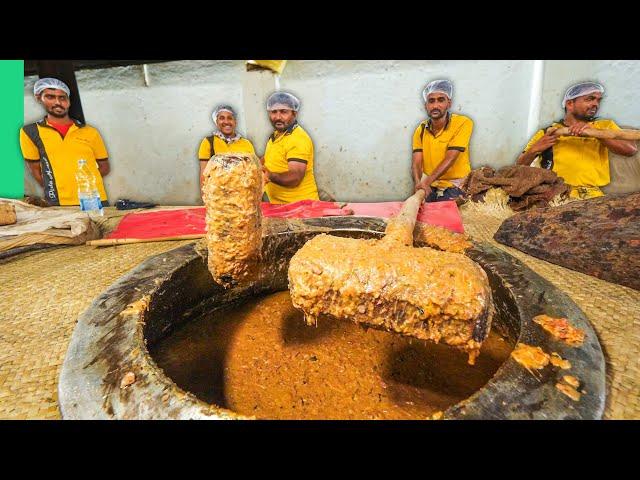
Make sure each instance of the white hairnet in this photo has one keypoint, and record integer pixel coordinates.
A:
(580, 90)
(443, 86)
(48, 82)
(281, 100)
(222, 108)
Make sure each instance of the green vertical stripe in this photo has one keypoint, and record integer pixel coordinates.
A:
(11, 119)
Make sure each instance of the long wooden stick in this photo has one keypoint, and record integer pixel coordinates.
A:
(105, 242)
(410, 208)
(400, 228)
(623, 134)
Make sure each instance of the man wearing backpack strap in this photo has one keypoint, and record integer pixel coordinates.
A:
(52, 146)
(225, 138)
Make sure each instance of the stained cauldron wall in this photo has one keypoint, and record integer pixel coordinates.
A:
(191, 290)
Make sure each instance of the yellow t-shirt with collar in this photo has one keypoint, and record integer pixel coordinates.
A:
(81, 141)
(580, 161)
(455, 135)
(220, 146)
(293, 143)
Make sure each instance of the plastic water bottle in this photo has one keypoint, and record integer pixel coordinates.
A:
(88, 192)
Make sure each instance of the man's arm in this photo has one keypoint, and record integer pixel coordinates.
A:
(292, 177)
(31, 156)
(103, 166)
(204, 154)
(101, 155)
(36, 171)
(626, 148)
(416, 167)
(546, 141)
(203, 165)
(417, 155)
(449, 159)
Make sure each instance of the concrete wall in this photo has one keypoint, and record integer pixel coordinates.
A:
(621, 101)
(360, 114)
(152, 133)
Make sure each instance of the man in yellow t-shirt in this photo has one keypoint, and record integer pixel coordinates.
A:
(583, 162)
(53, 146)
(441, 146)
(288, 157)
(225, 138)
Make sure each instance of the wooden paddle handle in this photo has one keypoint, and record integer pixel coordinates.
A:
(400, 228)
(409, 210)
(598, 133)
(105, 242)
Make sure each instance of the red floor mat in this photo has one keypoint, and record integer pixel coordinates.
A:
(168, 223)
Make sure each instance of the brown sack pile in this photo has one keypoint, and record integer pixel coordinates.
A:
(526, 186)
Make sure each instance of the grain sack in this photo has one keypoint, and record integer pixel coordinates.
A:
(232, 192)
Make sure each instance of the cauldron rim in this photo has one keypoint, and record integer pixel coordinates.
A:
(106, 344)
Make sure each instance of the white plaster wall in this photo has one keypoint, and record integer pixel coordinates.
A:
(152, 133)
(360, 114)
(619, 78)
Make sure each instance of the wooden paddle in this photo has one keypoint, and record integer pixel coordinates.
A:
(390, 285)
(624, 134)
(106, 242)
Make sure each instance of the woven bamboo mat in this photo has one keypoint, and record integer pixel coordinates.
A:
(613, 310)
(42, 294)
(41, 300)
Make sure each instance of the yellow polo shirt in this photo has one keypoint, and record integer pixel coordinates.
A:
(293, 143)
(580, 161)
(455, 135)
(220, 146)
(81, 141)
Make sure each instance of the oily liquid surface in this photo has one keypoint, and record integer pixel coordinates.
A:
(260, 359)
